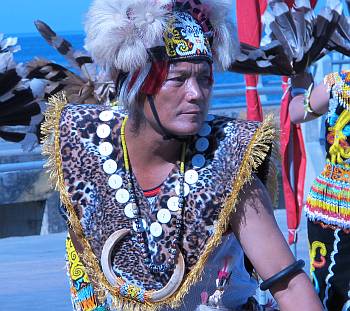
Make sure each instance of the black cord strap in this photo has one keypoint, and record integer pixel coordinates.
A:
(167, 135)
(290, 270)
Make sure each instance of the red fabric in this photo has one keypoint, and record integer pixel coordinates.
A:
(254, 108)
(249, 31)
(293, 179)
(292, 153)
(152, 192)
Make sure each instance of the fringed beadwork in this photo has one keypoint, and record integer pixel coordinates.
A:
(329, 197)
(132, 292)
(339, 84)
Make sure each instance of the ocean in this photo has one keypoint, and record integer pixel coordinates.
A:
(33, 45)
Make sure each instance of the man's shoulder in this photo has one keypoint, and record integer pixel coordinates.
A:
(233, 127)
(87, 112)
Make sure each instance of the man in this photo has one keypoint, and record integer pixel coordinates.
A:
(149, 195)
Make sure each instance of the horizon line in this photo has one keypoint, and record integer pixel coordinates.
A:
(35, 34)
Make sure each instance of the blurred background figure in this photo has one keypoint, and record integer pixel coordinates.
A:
(328, 203)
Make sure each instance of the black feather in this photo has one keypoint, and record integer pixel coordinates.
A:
(8, 80)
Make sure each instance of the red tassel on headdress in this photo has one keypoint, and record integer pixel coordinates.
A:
(154, 79)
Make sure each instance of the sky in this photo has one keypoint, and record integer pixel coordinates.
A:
(17, 16)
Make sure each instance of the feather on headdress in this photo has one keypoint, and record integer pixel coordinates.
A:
(20, 110)
(295, 38)
(84, 85)
(120, 33)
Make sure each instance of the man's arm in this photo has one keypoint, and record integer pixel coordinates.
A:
(262, 241)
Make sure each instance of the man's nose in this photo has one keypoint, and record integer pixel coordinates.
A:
(193, 90)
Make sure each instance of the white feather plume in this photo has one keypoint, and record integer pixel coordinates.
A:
(119, 32)
(225, 45)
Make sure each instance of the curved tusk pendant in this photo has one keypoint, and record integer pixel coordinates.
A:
(154, 296)
(106, 256)
(174, 282)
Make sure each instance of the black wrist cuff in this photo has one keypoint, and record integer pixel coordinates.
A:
(290, 270)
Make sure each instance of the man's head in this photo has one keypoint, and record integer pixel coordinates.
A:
(148, 39)
(183, 98)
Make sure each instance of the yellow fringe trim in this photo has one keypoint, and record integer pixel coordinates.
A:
(254, 156)
(273, 173)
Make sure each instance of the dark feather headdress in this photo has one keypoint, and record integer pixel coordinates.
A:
(83, 83)
(20, 111)
(295, 38)
(24, 88)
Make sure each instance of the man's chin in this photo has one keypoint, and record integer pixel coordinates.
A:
(187, 129)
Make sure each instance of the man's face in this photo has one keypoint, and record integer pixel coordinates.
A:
(182, 101)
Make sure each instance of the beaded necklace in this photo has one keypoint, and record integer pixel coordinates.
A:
(139, 226)
(341, 87)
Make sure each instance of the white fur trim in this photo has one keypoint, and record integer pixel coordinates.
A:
(225, 46)
(119, 32)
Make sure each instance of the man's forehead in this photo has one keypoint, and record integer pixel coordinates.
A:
(189, 66)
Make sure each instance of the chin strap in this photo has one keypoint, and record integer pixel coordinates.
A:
(166, 134)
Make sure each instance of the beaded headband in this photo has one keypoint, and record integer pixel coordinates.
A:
(184, 39)
(127, 34)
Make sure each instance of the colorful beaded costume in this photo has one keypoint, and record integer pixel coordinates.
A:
(329, 197)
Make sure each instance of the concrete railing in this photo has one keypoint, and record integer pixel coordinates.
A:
(28, 205)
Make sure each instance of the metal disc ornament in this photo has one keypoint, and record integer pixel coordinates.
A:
(198, 160)
(105, 149)
(156, 229)
(115, 181)
(129, 210)
(122, 196)
(103, 131)
(163, 215)
(110, 166)
(202, 144)
(191, 177)
(173, 204)
(106, 115)
(205, 130)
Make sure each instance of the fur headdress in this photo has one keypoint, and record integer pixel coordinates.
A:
(121, 33)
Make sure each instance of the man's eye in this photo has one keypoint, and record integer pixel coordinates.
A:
(178, 79)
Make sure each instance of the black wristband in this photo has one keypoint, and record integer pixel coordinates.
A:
(290, 270)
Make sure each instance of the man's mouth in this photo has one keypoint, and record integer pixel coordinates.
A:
(192, 112)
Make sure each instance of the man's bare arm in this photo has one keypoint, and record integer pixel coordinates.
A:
(262, 241)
